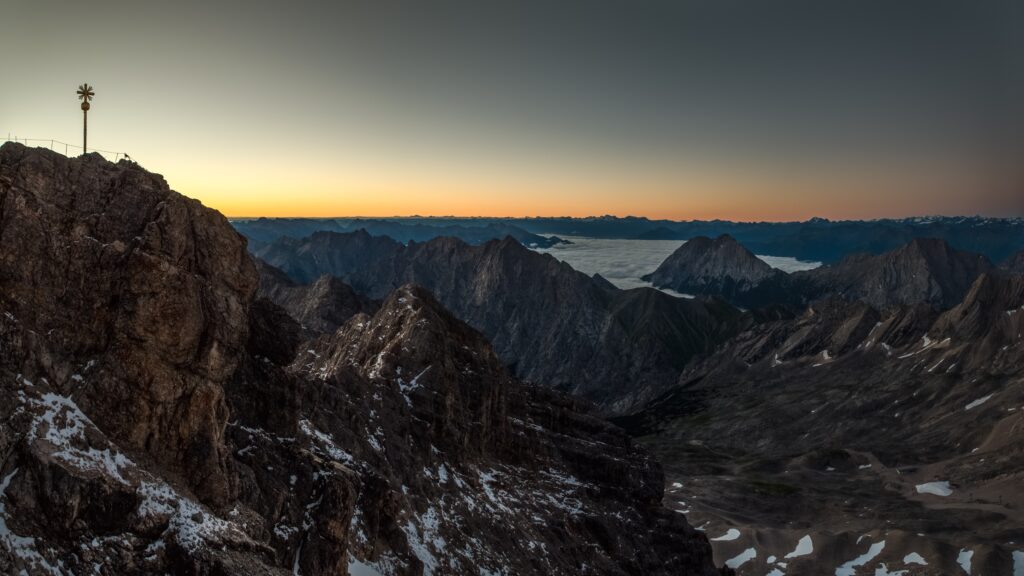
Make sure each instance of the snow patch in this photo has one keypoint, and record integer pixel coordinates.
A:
(407, 387)
(850, 568)
(189, 524)
(964, 559)
(23, 547)
(729, 536)
(915, 558)
(326, 443)
(804, 547)
(62, 424)
(358, 568)
(938, 488)
(978, 402)
(741, 558)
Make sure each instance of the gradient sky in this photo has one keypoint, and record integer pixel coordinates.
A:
(738, 109)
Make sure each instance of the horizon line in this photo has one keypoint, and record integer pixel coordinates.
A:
(633, 217)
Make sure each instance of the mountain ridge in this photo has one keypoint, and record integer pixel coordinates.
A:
(922, 271)
(813, 240)
(549, 322)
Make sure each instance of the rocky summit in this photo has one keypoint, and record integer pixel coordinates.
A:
(158, 416)
(720, 267)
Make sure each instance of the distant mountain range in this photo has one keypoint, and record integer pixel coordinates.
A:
(261, 231)
(817, 239)
(925, 270)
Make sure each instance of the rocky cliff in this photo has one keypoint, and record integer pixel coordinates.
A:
(131, 295)
(157, 417)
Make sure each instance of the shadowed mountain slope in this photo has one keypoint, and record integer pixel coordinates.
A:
(549, 322)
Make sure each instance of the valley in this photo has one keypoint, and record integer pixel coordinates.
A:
(864, 419)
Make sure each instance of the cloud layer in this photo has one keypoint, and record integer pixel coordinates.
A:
(623, 262)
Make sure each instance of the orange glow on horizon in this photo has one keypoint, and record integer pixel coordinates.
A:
(711, 197)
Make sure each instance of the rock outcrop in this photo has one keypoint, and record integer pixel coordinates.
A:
(131, 295)
(550, 323)
(319, 307)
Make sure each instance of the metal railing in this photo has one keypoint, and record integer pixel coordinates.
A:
(58, 146)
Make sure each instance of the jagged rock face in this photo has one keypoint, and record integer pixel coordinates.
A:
(461, 470)
(714, 267)
(319, 307)
(826, 424)
(924, 271)
(72, 502)
(550, 323)
(991, 319)
(129, 296)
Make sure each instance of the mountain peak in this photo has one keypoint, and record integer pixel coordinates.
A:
(413, 325)
(931, 248)
(719, 266)
(925, 270)
(148, 287)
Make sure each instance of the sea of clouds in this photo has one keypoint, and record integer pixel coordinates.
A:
(623, 262)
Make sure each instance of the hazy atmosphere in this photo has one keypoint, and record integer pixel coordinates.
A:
(685, 110)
